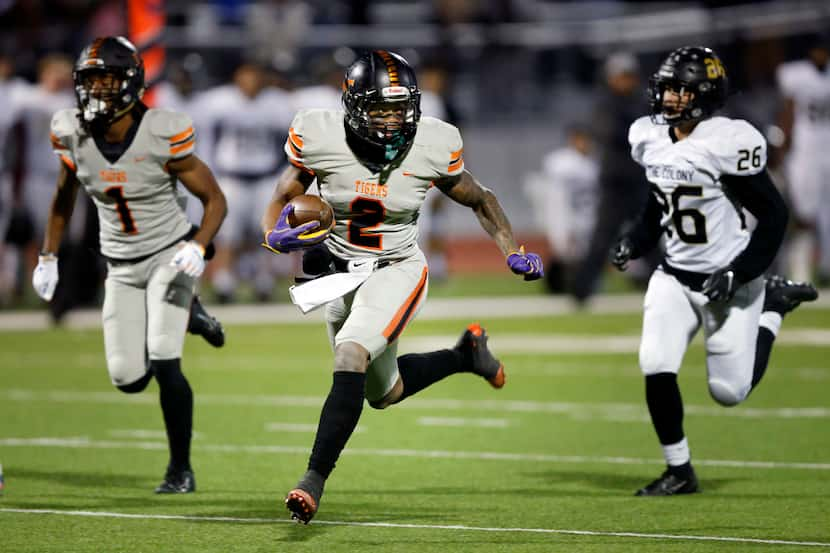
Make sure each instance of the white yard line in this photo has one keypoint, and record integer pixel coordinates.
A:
(438, 308)
(396, 525)
(301, 428)
(463, 422)
(579, 410)
(84, 442)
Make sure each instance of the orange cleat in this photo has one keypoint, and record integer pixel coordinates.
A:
(473, 346)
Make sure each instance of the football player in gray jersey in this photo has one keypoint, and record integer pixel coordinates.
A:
(127, 158)
(703, 171)
(374, 164)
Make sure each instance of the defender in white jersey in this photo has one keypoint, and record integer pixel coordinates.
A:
(374, 164)
(704, 170)
(127, 158)
(805, 120)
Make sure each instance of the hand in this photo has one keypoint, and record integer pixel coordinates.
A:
(190, 259)
(527, 264)
(721, 285)
(45, 276)
(283, 238)
(622, 253)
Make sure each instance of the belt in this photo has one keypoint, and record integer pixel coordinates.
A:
(342, 265)
(209, 251)
(688, 278)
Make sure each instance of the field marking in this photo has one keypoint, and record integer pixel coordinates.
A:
(301, 427)
(84, 442)
(614, 412)
(141, 433)
(463, 422)
(407, 526)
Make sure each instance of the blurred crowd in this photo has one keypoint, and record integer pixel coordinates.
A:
(560, 112)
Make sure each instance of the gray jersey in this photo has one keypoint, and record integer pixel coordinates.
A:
(376, 213)
(135, 196)
(705, 230)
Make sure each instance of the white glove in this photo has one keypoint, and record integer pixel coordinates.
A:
(190, 259)
(45, 277)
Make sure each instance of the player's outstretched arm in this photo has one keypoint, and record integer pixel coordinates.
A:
(466, 190)
(197, 177)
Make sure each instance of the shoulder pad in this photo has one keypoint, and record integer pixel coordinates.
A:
(443, 146)
(65, 123)
(737, 147)
(175, 131)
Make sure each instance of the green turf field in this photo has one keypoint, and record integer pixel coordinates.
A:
(549, 463)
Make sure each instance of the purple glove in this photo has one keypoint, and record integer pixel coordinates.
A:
(527, 264)
(283, 238)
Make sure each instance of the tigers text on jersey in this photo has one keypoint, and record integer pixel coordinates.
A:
(809, 88)
(376, 213)
(704, 229)
(135, 196)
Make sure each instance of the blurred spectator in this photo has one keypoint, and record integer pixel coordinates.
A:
(248, 126)
(805, 121)
(326, 88)
(566, 197)
(622, 186)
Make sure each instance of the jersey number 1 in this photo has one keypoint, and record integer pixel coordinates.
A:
(127, 222)
(366, 213)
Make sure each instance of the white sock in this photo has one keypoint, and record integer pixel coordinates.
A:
(771, 320)
(677, 454)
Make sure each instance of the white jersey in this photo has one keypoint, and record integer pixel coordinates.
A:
(704, 229)
(247, 134)
(376, 214)
(809, 89)
(316, 97)
(136, 197)
(35, 109)
(12, 92)
(571, 198)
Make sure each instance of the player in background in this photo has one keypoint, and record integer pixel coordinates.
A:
(127, 157)
(374, 164)
(805, 120)
(248, 122)
(702, 168)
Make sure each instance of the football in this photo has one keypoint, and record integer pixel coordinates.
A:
(308, 207)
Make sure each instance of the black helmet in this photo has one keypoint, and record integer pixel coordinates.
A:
(380, 77)
(694, 69)
(114, 56)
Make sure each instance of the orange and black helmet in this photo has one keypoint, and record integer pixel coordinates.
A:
(112, 97)
(381, 77)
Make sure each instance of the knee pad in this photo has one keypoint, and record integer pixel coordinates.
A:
(726, 393)
(138, 385)
(351, 357)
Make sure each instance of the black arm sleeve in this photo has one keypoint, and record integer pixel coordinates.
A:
(758, 195)
(647, 233)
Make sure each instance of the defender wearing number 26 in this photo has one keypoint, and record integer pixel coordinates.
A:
(374, 162)
(704, 170)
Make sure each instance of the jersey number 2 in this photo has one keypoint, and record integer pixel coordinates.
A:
(366, 213)
(127, 222)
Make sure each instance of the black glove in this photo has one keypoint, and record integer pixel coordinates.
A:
(721, 285)
(622, 253)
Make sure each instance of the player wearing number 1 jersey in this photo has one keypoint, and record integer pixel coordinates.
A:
(127, 158)
(704, 171)
(374, 164)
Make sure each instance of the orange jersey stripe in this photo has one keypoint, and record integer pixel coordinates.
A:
(182, 147)
(56, 143)
(68, 162)
(182, 135)
(406, 311)
(300, 166)
(294, 150)
(295, 138)
(456, 166)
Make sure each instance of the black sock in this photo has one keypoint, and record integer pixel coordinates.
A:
(177, 408)
(419, 370)
(340, 414)
(665, 406)
(763, 348)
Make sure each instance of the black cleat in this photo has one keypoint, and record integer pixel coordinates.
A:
(177, 482)
(302, 502)
(473, 345)
(204, 325)
(782, 295)
(670, 483)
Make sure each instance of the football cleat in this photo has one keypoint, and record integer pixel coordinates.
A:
(782, 295)
(479, 359)
(177, 482)
(302, 502)
(204, 325)
(671, 484)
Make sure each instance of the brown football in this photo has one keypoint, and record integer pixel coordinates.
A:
(308, 207)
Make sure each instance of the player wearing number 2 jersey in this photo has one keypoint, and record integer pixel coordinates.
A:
(374, 164)
(704, 170)
(127, 158)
